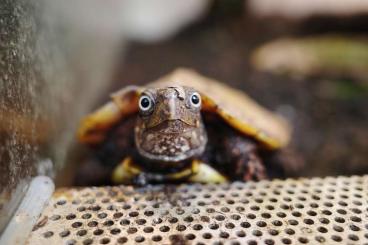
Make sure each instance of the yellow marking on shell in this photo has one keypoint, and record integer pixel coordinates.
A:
(92, 128)
(234, 106)
(246, 128)
(242, 126)
(127, 98)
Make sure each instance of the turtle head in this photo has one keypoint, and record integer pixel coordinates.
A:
(169, 126)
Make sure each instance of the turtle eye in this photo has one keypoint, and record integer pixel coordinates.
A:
(195, 99)
(145, 103)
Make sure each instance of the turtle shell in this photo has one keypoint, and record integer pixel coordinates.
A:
(235, 107)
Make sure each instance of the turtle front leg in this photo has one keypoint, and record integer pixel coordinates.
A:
(129, 172)
(241, 155)
(250, 167)
(125, 172)
(204, 173)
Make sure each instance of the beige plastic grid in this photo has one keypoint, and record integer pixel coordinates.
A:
(303, 211)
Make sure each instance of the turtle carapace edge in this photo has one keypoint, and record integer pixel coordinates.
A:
(183, 127)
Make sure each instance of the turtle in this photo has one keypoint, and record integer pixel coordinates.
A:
(183, 127)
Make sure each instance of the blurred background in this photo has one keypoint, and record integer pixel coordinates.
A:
(306, 60)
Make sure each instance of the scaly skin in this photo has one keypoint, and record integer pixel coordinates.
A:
(231, 154)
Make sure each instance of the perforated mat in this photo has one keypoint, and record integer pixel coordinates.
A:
(303, 211)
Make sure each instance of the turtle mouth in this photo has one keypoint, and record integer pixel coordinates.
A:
(171, 141)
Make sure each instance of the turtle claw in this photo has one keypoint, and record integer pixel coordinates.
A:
(140, 180)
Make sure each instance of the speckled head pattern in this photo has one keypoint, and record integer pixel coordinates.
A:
(169, 126)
